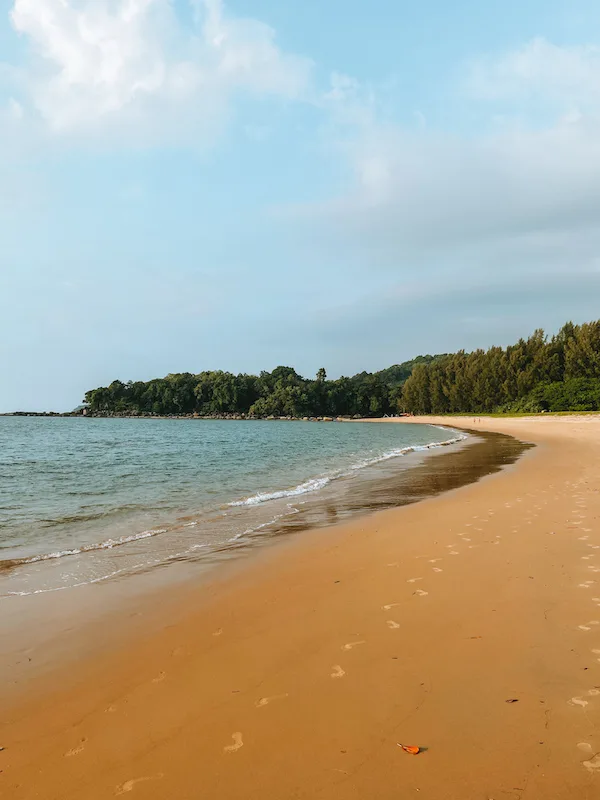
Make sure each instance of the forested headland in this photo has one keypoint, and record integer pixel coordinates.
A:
(280, 393)
(541, 373)
(557, 373)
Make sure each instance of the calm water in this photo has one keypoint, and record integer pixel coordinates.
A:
(85, 500)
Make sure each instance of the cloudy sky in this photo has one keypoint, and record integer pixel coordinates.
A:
(198, 184)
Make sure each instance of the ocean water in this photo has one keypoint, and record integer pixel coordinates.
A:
(90, 500)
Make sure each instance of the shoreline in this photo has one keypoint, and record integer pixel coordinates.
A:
(364, 638)
(265, 511)
(233, 417)
(33, 617)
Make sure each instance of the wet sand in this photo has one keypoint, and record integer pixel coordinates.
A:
(467, 624)
(53, 628)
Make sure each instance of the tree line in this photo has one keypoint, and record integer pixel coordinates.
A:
(282, 392)
(541, 373)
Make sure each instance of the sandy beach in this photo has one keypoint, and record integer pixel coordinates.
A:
(467, 625)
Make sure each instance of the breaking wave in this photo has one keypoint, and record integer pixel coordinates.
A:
(108, 544)
(314, 484)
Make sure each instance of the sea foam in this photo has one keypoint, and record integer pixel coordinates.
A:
(319, 482)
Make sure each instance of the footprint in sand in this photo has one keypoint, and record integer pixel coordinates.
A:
(129, 785)
(578, 701)
(160, 677)
(437, 569)
(76, 750)
(453, 552)
(434, 560)
(237, 743)
(585, 747)
(420, 592)
(392, 625)
(338, 672)
(414, 580)
(264, 701)
(350, 645)
(596, 653)
(593, 765)
(218, 633)
(583, 538)
(390, 605)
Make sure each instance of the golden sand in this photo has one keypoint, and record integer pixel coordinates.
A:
(467, 625)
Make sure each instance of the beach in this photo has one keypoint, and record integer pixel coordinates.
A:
(467, 624)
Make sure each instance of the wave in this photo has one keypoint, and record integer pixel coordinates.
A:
(144, 565)
(291, 510)
(108, 544)
(314, 484)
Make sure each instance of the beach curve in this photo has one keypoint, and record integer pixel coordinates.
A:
(467, 625)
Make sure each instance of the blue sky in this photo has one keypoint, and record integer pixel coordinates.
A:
(203, 185)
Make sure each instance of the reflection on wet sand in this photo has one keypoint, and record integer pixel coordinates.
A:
(483, 454)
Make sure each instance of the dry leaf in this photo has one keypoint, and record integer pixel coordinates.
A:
(412, 749)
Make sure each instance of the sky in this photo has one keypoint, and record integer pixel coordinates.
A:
(201, 184)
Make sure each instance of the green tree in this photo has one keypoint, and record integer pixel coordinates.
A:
(536, 373)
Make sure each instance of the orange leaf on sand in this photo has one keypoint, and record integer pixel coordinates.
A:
(408, 748)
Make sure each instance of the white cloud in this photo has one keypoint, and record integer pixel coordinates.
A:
(417, 188)
(133, 67)
(567, 75)
(14, 109)
(429, 190)
(502, 219)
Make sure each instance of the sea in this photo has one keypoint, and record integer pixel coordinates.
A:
(85, 501)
